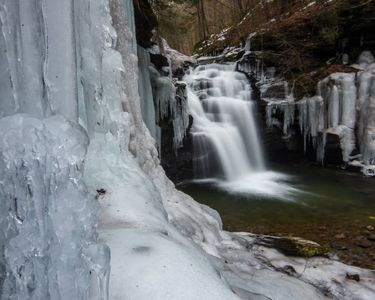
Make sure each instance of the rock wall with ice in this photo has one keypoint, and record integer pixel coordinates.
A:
(170, 103)
(342, 109)
(162, 94)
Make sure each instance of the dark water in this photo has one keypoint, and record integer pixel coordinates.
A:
(334, 208)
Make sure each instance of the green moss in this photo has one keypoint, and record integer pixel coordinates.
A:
(329, 35)
(300, 248)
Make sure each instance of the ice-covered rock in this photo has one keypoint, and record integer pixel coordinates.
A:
(343, 107)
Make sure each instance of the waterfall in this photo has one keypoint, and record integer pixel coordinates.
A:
(227, 147)
(224, 130)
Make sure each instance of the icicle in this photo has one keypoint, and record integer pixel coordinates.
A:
(145, 90)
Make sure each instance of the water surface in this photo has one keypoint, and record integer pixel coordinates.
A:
(333, 207)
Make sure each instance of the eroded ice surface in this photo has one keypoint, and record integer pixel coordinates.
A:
(48, 238)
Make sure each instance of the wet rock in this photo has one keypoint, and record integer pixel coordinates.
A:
(159, 61)
(294, 246)
(333, 152)
(145, 22)
(353, 277)
(288, 270)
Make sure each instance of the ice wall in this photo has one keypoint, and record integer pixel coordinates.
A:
(343, 107)
(49, 245)
(48, 240)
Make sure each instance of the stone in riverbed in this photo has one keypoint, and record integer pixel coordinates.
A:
(294, 246)
(364, 244)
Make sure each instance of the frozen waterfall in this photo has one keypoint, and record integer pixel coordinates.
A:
(227, 147)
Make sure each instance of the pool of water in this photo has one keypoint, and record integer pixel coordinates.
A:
(332, 207)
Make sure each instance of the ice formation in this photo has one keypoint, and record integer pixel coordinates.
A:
(344, 107)
(48, 238)
(159, 94)
(72, 136)
(145, 91)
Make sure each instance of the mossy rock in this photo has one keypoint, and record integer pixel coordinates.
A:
(295, 247)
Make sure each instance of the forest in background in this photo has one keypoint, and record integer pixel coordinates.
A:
(186, 23)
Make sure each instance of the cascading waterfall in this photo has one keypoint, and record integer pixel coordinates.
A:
(224, 129)
(227, 148)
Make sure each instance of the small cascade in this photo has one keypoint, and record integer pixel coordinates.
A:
(227, 148)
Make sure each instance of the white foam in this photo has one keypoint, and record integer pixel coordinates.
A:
(264, 184)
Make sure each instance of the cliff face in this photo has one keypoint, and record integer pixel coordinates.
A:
(164, 105)
(145, 22)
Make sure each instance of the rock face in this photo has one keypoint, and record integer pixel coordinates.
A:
(145, 22)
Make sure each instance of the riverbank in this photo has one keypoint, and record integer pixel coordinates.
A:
(334, 208)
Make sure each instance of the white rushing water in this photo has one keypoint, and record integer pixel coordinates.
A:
(227, 147)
